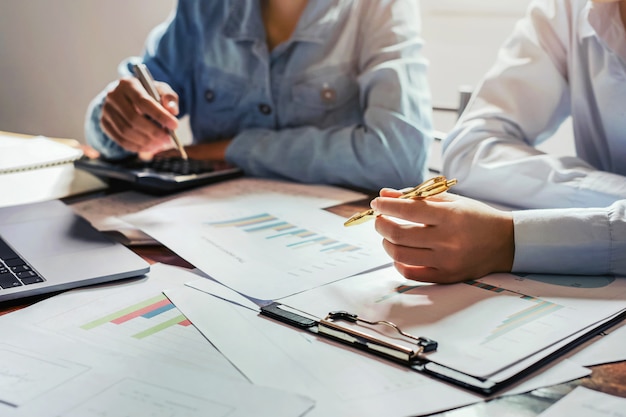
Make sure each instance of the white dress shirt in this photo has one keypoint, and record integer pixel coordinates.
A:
(565, 58)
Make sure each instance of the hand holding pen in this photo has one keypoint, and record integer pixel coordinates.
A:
(143, 74)
(428, 188)
(135, 120)
(433, 236)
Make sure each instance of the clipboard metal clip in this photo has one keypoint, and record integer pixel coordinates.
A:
(329, 326)
(411, 353)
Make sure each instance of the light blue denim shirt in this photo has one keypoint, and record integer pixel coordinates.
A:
(345, 101)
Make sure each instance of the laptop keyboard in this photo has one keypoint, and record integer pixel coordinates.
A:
(14, 271)
(173, 165)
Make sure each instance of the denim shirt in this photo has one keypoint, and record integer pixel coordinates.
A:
(344, 101)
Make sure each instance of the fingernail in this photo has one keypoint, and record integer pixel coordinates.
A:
(173, 106)
(374, 203)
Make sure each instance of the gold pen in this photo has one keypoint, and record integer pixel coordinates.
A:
(428, 188)
(143, 74)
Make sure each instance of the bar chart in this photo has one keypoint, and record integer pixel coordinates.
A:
(136, 318)
(148, 310)
(270, 227)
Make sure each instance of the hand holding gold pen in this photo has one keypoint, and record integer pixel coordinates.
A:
(428, 188)
(143, 75)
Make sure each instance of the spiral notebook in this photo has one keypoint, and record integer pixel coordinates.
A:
(22, 154)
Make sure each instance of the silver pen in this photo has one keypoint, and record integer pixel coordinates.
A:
(143, 75)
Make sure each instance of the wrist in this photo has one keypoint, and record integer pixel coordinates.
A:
(505, 252)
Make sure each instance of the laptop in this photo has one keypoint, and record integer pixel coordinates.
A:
(160, 175)
(45, 247)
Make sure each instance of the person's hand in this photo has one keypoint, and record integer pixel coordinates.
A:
(214, 151)
(445, 238)
(138, 123)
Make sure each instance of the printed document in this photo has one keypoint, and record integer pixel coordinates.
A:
(267, 246)
(483, 327)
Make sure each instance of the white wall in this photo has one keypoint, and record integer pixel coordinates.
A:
(462, 38)
(55, 55)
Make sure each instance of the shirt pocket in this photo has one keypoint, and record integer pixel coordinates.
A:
(327, 96)
(218, 101)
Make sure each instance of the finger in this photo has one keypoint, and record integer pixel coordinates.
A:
(148, 106)
(132, 100)
(122, 131)
(407, 234)
(423, 211)
(411, 255)
(169, 98)
(389, 192)
(414, 234)
(127, 126)
(168, 153)
(111, 131)
(117, 132)
(425, 274)
(145, 156)
(90, 152)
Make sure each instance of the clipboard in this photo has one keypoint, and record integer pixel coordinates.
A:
(336, 326)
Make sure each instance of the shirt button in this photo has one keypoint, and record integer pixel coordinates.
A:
(265, 109)
(328, 95)
(209, 96)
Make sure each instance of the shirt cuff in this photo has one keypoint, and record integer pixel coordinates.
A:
(562, 241)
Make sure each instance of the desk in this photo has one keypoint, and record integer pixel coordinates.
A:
(609, 378)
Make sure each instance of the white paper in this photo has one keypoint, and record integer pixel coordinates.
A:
(104, 213)
(584, 402)
(265, 247)
(482, 327)
(216, 289)
(605, 349)
(48, 375)
(133, 317)
(343, 382)
(24, 376)
(554, 373)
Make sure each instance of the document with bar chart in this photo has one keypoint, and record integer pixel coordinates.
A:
(483, 327)
(266, 249)
(134, 317)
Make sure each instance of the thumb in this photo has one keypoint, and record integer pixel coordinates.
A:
(169, 98)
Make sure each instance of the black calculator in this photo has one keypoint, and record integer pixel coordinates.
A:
(161, 175)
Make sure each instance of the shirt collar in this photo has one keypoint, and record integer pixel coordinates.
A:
(243, 21)
(603, 21)
(317, 20)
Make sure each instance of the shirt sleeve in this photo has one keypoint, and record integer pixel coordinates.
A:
(94, 134)
(391, 146)
(521, 102)
(589, 241)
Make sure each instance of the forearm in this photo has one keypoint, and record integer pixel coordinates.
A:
(369, 158)
(492, 162)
